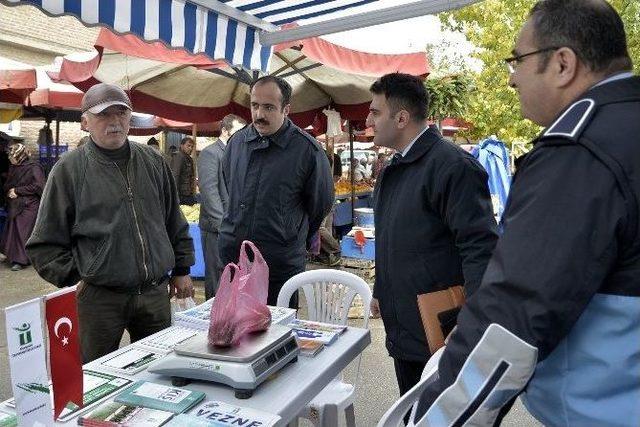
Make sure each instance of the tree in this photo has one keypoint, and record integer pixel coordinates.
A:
(492, 26)
(448, 97)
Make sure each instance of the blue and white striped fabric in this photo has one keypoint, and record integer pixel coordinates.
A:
(195, 28)
(278, 12)
(177, 23)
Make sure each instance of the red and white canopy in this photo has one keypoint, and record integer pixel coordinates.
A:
(17, 80)
(49, 94)
(193, 88)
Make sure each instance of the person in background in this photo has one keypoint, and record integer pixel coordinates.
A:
(5, 142)
(337, 167)
(184, 171)
(379, 164)
(279, 184)
(153, 142)
(357, 170)
(111, 223)
(23, 189)
(213, 194)
(364, 168)
(557, 314)
(433, 215)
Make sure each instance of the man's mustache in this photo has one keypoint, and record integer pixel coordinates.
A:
(115, 129)
(261, 122)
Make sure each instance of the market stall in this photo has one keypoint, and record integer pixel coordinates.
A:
(140, 366)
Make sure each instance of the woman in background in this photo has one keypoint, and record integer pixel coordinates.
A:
(23, 188)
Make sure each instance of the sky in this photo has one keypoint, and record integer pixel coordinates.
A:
(410, 35)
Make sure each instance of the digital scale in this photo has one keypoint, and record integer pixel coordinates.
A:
(242, 367)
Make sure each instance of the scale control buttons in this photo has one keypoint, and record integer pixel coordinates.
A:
(260, 366)
(271, 359)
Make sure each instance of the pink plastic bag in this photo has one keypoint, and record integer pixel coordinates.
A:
(240, 305)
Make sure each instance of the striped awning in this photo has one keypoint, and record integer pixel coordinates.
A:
(197, 25)
(280, 12)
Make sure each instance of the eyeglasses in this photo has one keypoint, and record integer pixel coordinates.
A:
(512, 63)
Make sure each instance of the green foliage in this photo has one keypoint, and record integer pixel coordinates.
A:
(448, 96)
(493, 26)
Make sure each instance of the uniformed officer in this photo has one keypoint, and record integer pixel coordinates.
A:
(279, 184)
(559, 305)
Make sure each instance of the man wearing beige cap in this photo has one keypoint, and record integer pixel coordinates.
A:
(110, 219)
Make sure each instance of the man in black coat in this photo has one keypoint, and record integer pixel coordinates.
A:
(279, 184)
(434, 221)
(557, 313)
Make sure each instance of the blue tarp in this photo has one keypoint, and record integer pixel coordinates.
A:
(494, 157)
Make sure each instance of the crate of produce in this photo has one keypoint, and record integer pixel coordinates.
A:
(52, 151)
(350, 249)
(364, 268)
(356, 311)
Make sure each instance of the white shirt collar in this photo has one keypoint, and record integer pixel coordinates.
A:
(408, 147)
(615, 77)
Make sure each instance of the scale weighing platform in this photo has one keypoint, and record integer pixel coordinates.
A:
(243, 367)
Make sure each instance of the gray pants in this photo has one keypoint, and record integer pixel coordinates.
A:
(104, 315)
(212, 264)
(328, 243)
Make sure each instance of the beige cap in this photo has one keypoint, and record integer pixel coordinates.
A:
(104, 95)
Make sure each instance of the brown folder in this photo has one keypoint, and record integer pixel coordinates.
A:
(439, 311)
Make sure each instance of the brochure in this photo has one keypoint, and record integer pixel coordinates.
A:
(309, 348)
(8, 420)
(324, 333)
(159, 396)
(199, 317)
(113, 414)
(326, 338)
(129, 360)
(96, 386)
(214, 413)
(167, 339)
(317, 326)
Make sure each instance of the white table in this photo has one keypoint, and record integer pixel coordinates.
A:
(289, 390)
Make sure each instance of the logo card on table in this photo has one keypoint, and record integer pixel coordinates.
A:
(158, 396)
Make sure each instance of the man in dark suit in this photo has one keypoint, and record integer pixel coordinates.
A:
(214, 198)
(434, 220)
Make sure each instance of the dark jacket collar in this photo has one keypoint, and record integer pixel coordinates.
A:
(577, 115)
(279, 138)
(422, 146)
(92, 150)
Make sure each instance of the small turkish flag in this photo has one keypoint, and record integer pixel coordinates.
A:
(64, 350)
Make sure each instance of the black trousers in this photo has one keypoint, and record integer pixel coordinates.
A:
(212, 264)
(408, 373)
(104, 315)
(274, 289)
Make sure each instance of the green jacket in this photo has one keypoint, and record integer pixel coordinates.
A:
(97, 225)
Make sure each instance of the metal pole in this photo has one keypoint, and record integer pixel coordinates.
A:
(57, 136)
(353, 183)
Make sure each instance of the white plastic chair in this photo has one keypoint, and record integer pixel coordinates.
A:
(329, 295)
(394, 417)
